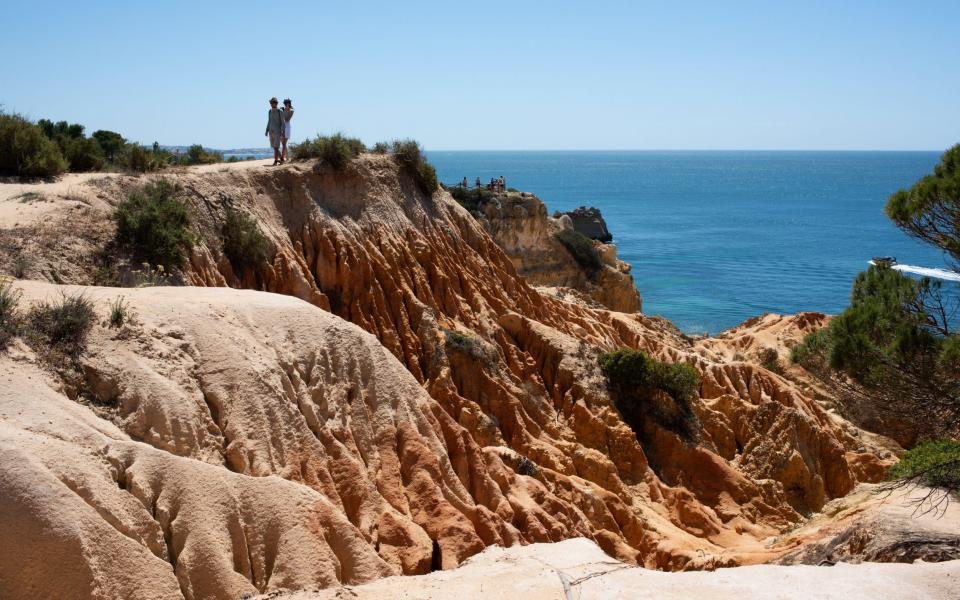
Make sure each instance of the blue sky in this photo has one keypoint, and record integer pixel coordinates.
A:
(496, 75)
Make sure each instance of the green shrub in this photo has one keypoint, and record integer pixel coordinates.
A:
(582, 250)
(933, 463)
(197, 155)
(770, 360)
(25, 151)
(9, 317)
(243, 244)
(63, 325)
(83, 154)
(380, 148)
(153, 225)
(141, 160)
(335, 151)
(638, 385)
(812, 350)
(456, 341)
(409, 155)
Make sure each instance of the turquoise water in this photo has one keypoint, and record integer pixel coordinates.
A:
(717, 237)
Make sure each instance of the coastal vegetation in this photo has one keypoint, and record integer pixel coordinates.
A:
(898, 338)
(335, 151)
(582, 249)
(409, 155)
(456, 341)
(25, 151)
(47, 149)
(645, 389)
(153, 225)
(243, 243)
(931, 463)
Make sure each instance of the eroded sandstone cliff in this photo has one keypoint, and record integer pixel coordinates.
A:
(393, 452)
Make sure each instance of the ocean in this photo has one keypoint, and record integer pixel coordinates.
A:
(716, 237)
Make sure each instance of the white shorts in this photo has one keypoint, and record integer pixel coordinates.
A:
(286, 130)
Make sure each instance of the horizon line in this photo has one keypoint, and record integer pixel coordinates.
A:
(621, 149)
(684, 150)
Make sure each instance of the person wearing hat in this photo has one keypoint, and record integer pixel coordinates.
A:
(287, 115)
(275, 130)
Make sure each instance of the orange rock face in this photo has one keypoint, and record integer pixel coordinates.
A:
(473, 414)
(407, 268)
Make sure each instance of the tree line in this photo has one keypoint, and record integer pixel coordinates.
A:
(47, 149)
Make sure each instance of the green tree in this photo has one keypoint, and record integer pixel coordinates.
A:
(25, 151)
(930, 210)
(111, 143)
(897, 339)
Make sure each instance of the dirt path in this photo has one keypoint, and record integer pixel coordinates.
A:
(25, 203)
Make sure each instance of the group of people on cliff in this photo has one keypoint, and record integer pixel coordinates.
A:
(496, 185)
(278, 129)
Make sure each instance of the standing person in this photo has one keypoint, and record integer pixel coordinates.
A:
(503, 184)
(464, 184)
(287, 115)
(275, 129)
(478, 183)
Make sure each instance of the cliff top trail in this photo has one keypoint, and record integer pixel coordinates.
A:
(385, 395)
(20, 202)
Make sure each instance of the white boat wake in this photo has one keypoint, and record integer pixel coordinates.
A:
(926, 272)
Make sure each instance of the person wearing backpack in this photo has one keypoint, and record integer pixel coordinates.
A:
(275, 130)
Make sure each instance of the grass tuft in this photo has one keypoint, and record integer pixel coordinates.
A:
(9, 313)
(63, 325)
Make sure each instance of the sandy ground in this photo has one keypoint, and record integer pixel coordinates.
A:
(578, 570)
(22, 203)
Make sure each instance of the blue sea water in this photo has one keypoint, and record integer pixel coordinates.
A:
(716, 237)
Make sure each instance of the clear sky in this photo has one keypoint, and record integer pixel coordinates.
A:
(496, 75)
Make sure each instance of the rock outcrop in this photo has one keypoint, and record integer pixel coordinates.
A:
(589, 222)
(519, 224)
(471, 413)
(880, 524)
